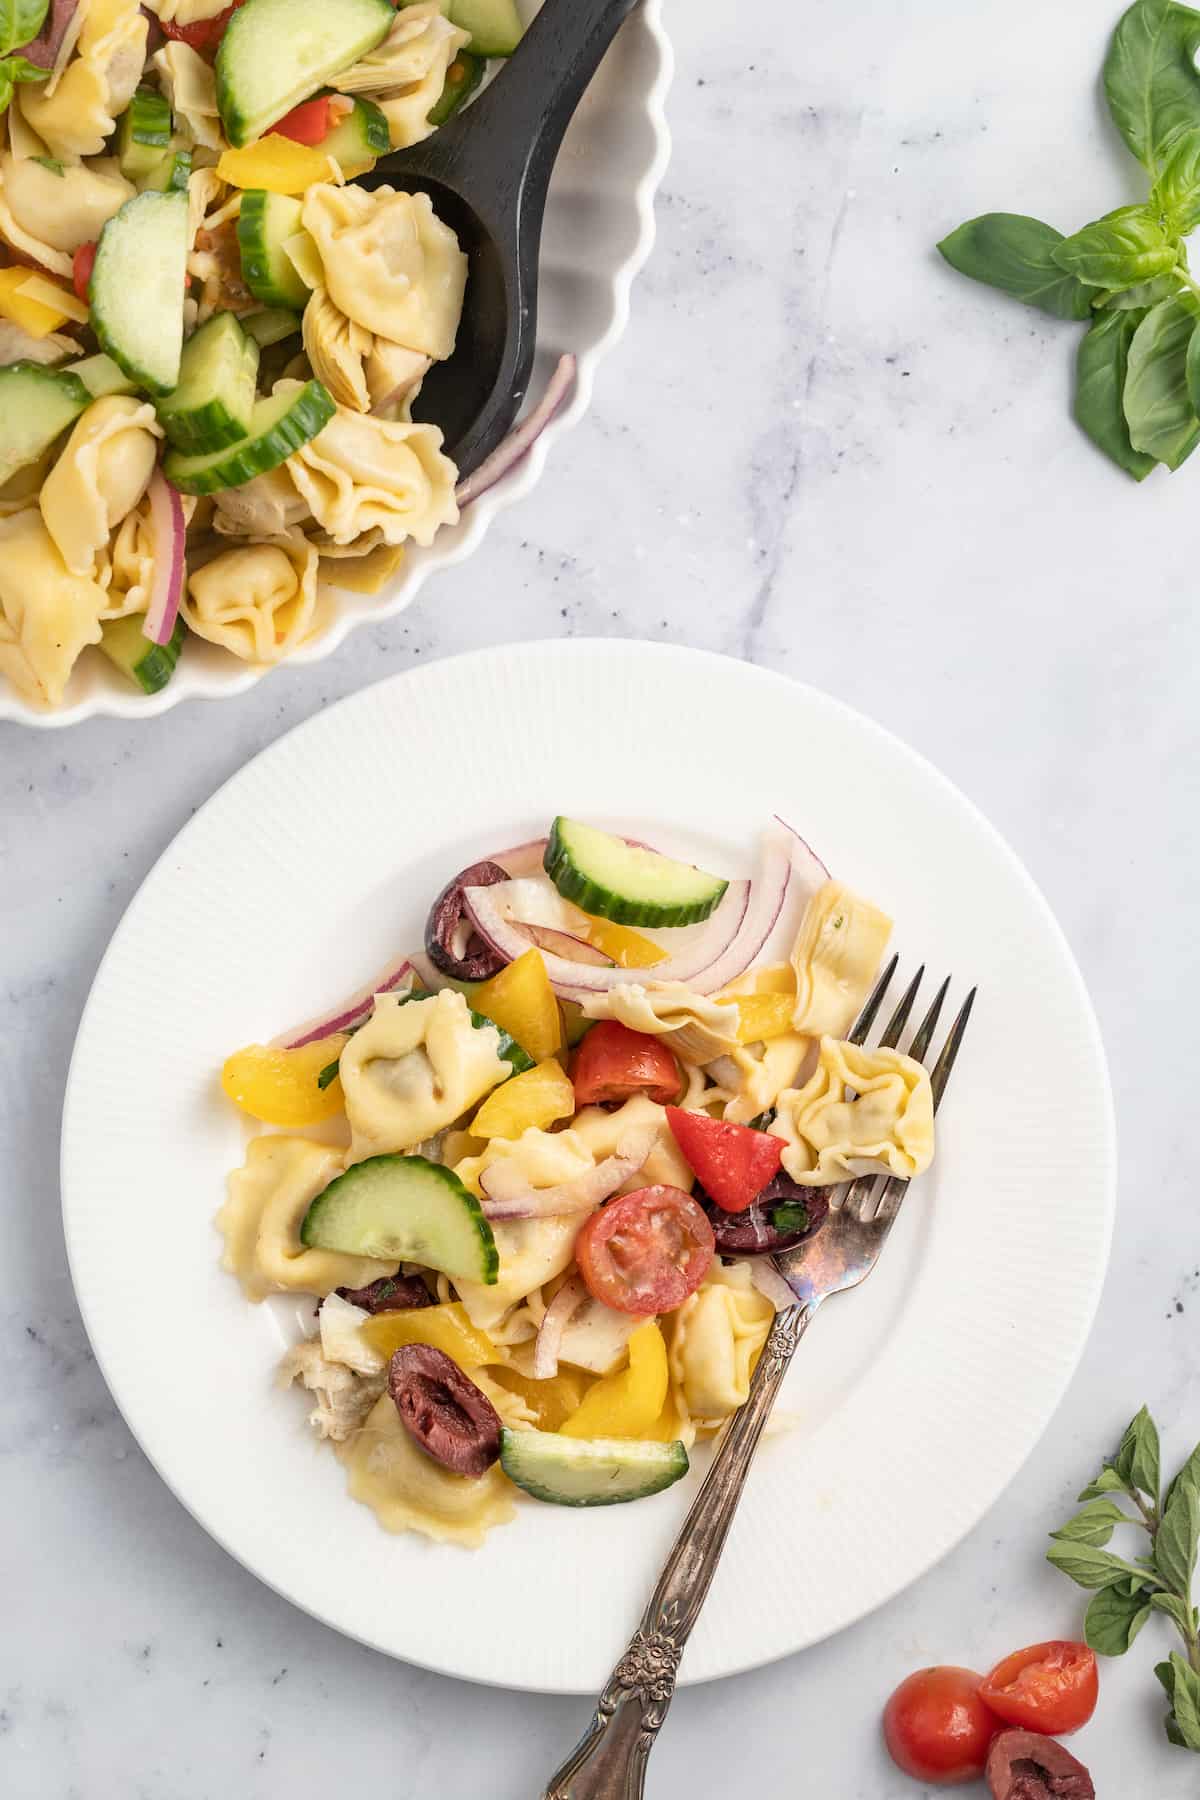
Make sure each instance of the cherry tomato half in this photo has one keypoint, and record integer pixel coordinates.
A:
(937, 1727)
(644, 1253)
(205, 34)
(732, 1163)
(81, 270)
(614, 1063)
(1051, 1688)
(308, 123)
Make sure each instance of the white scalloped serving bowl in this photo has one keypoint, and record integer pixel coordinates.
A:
(599, 230)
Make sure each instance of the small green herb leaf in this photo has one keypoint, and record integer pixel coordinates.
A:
(1120, 251)
(1090, 1567)
(1177, 1537)
(1175, 1609)
(1113, 1619)
(1142, 297)
(21, 20)
(791, 1216)
(1106, 1482)
(1162, 421)
(1190, 1472)
(1014, 253)
(1094, 1525)
(1176, 193)
(1150, 77)
(329, 1074)
(49, 162)
(1100, 371)
(1185, 1701)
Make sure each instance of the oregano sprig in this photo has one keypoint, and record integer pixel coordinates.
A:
(1127, 1590)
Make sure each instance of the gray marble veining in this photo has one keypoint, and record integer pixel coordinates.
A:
(818, 449)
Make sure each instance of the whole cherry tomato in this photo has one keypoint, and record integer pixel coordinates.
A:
(645, 1252)
(937, 1727)
(1051, 1688)
(613, 1063)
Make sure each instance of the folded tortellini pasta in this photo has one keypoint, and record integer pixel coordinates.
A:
(885, 1128)
(390, 264)
(99, 478)
(748, 1085)
(360, 473)
(532, 1251)
(406, 73)
(261, 1219)
(47, 614)
(837, 954)
(602, 1131)
(190, 85)
(259, 600)
(126, 566)
(695, 1028)
(75, 111)
(415, 1067)
(716, 1338)
(48, 216)
(409, 1491)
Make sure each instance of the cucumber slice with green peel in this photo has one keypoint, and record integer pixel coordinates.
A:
(589, 1472)
(264, 222)
(36, 404)
(148, 665)
(404, 1209)
(213, 403)
(462, 78)
(137, 288)
(495, 25)
(143, 133)
(270, 327)
(278, 425)
(361, 137)
(100, 375)
(615, 880)
(275, 53)
(170, 173)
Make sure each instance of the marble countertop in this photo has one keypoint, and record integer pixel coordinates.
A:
(818, 449)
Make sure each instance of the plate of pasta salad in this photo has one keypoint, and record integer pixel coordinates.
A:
(499, 1064)
(215, 450)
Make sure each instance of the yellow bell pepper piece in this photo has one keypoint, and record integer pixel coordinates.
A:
(280, 1086)
(764, 1016)
(443, 1327)
(551, 1401)
(30, 312)
(626, 1405)
(277, 164)
(521, 999)
(538, 1097)
(775, 978)
(628, 949)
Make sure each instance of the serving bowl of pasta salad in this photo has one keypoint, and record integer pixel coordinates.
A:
(559, 1247)
(213, 450)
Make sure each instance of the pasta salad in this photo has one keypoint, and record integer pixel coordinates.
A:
(210, 339)
(534, 1174)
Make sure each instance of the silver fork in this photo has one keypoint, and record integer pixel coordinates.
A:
(609, 1762)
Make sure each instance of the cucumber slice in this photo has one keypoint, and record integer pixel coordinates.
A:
(100, 375)
(264, 222)
(362, 136)
(495, 25)
(170, 173)
(275, 53)
(36, 404)
(589, 1472)
(615, 880)
(137, 288)
(462, 78)
(278, 425)
(214, 400)
(143, 133)
(149, 666)
(405, 1209)
(270, 327)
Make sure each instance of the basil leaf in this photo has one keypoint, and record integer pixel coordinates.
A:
(1177, 1538)
(1106, 1482)
(1162, 421)
(1185, 1700)
(1142, 297)
(1088, 1567)
(329, 1074)
(1113, 1620)
(1100, 371)
(1176, 193)
(1094, 1525)
(20, 22)
(1150, 76)
(1119, 251)
(1014, 253)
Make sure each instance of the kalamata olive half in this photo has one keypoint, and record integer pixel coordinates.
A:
(1023, 1765)
(450, 941)
(391, 1293)
(782, 1216)
(444, 1412)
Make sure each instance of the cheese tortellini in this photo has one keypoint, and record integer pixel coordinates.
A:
(47, 614)
(127, 566)
(751, 1084)
(885, 1128)
(48, 216)
(389, 263)
(405, 74)
(408, 1491)
(99, 477)
(602, 1131)
(695, 1028)
(359, 473)
(259, 600)
(261, 1219)
(74, 113)
(415, 1067)
(837, 954)
(716, 1338)
(532, 1251)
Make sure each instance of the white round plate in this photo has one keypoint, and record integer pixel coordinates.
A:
(313, 867)
(598, 232)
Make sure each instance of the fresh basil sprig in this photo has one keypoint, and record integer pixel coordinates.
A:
(1127, 1591)
(1137, 392)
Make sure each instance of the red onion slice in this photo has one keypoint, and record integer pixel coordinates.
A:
(508, 1196)
(561, 943)
(520, 442)
(352, 1012)
(767, 900)
(170, 536)
(549, 1338)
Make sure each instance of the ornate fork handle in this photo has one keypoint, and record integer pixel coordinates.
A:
(609, 1762)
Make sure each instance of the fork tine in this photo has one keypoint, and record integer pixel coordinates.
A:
(899, 1018)
(950, 1049)
(928, 1025)
(866, 1017)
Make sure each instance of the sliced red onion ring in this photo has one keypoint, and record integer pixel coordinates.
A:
(520, 442)
(549, 1338)
(352, 1012)
(805, 860)
(170, 536)
(770, 1283)
(508, 1196)
(561, 943)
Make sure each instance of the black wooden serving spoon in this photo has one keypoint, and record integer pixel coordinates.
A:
(487, 171)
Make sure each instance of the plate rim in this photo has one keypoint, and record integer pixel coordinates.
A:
(1051, 1397)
